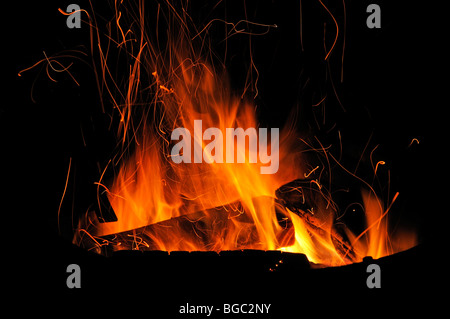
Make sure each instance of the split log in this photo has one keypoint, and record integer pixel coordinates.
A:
(207, 230)
(311, 202)
(214, 229)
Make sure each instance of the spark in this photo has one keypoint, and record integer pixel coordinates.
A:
(234, 27)
(343, 42)
(64, 193)
(355, 176)
(136, 244)
(379, 163)
(70, 13)
(318, 103)
(105, 242)
(362, 153)
(414, 140)
(53, 68)
(314, 181)
(312, 171)
(337, 30)
(51, 60)
(162, 87)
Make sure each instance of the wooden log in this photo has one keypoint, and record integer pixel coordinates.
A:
(214, 229)
(309, 200)
(229, 227)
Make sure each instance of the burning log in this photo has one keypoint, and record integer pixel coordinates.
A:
(304, 196)
(207, 230)
(314, 206)
(213, 229)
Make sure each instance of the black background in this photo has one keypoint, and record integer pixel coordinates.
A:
(392, 91)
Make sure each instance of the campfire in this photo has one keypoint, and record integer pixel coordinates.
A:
(195, 170)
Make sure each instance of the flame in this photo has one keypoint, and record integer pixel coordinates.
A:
(150, 188)
(162, 205)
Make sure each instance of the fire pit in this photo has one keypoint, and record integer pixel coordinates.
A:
(194, 170)
(205, 181)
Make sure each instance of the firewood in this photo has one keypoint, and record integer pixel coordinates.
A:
(309, 200)
(207, 230)
(214, 229)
